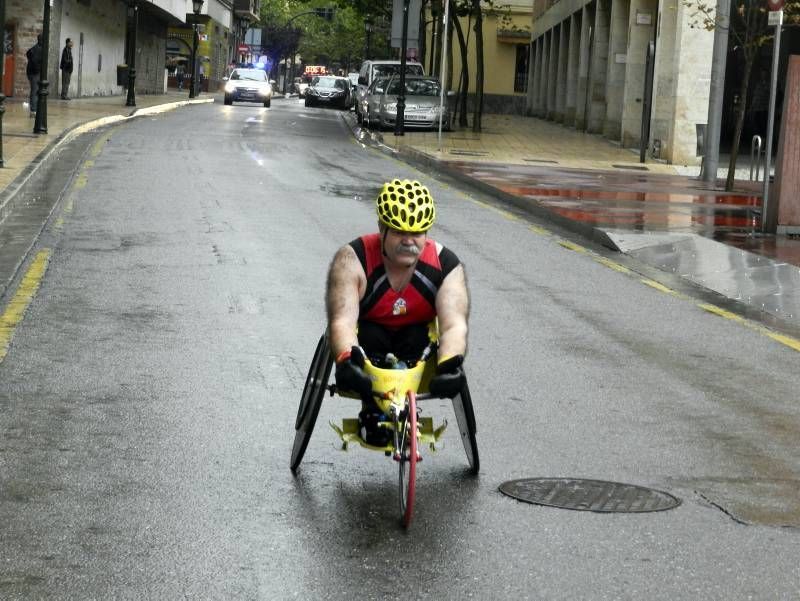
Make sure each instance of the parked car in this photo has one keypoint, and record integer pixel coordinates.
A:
(300, 85)
(329, 89)
(370, 104)
(248, 85)
(422, 103)
(371, 70)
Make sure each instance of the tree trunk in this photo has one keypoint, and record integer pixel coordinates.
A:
(740, 114)
(476, 119)
(464, 86)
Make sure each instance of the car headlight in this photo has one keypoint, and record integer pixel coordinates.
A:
(391, 107)
(230, 87)
(311, 91)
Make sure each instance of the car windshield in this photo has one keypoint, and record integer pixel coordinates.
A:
(330, 82)
(249, 74)
(416, 87)
(385, 70)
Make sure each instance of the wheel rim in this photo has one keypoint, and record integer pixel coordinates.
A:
(408, 461)
(313, 380)
(465, 416)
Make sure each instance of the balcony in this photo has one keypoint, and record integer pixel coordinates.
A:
(246, 10)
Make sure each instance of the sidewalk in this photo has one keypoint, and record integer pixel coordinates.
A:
(653, 212)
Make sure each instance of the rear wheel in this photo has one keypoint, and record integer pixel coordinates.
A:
(228, 99)
(311, 400)
(465, 416)
(408, 460)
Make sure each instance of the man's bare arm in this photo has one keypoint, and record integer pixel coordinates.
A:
(346, 284)
(452, 308)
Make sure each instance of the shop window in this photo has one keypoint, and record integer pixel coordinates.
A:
(521, 69)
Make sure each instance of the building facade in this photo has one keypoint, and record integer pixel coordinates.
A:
(506, 38)
(101, 31)
(590, 61)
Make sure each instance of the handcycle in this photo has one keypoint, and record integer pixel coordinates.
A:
(396, 393)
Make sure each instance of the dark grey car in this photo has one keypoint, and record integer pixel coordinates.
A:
(328, 90)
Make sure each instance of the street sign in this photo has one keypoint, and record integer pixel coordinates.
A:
(244, 48)
(775, 4)
(775, 18)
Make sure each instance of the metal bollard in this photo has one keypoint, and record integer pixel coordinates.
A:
(755, 157)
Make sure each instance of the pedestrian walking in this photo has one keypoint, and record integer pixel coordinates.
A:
(66, 69)
(33, 71)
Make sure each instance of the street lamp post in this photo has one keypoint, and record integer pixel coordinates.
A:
(399, 129)
(197, 6)
(40, 124)
(2, 64)
(368, 32)
(133, 24)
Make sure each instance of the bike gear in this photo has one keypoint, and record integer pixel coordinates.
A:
(406, 206)
(449, 379)
(350, 374)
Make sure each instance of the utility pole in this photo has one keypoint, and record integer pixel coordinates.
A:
(718, 62)
(40, 123)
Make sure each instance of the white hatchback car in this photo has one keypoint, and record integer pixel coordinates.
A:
(248, 85)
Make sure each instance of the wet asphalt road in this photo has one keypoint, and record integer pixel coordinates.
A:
(148, 400)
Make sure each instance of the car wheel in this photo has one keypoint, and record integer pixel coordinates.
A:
(228, 99)
(308, 101)
(267, 102)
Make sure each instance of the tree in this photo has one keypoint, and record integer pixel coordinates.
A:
(749, 32)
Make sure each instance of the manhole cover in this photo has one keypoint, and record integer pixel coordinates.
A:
(589, 495)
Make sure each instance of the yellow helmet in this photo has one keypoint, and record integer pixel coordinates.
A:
(406, 206)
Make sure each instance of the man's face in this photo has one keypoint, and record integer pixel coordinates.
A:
(403, 248)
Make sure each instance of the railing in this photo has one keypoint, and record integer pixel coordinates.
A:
(756, 154)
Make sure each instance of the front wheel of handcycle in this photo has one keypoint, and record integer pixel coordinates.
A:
(465, 416)
(311, 399)
(407, 460)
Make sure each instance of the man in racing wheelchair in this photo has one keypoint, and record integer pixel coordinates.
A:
(384, 289)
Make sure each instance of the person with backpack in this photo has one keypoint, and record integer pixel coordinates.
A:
(33, 71)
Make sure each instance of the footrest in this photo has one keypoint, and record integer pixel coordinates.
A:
(427, 434)
(349, 433)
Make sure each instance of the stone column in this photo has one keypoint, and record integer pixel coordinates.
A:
(682, 83)
(535, 87)
(561, 74)
(573, 61)
(599, 68)
(642, 31)
(787, 164)
(545, 72)
(531, 79)
(615, 75)
(552, 74)
(584, 63)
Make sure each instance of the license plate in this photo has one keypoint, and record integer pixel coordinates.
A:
(416, 117)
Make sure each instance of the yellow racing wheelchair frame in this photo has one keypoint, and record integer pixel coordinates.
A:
(396, 392)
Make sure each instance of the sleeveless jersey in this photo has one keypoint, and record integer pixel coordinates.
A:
(416, 303)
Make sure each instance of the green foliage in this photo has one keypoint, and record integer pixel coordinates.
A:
(322, 36)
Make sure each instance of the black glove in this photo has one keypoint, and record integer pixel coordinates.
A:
(449, 379)
(350, 375)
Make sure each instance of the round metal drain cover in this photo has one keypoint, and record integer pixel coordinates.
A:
(589, 495)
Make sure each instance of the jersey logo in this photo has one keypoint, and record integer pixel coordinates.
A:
(399, 307)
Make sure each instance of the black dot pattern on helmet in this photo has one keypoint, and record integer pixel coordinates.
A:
(406, 206)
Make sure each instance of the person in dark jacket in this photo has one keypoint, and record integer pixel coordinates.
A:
(66, 69)
(33, 71)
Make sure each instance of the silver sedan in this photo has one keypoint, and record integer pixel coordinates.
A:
(422, 99)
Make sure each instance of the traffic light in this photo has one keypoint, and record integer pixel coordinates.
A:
(325, 13)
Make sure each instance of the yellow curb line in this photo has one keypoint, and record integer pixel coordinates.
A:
(21, 300)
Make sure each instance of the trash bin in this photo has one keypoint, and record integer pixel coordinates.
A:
(122, 75)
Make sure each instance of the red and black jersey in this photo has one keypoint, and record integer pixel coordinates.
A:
(416, 303)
